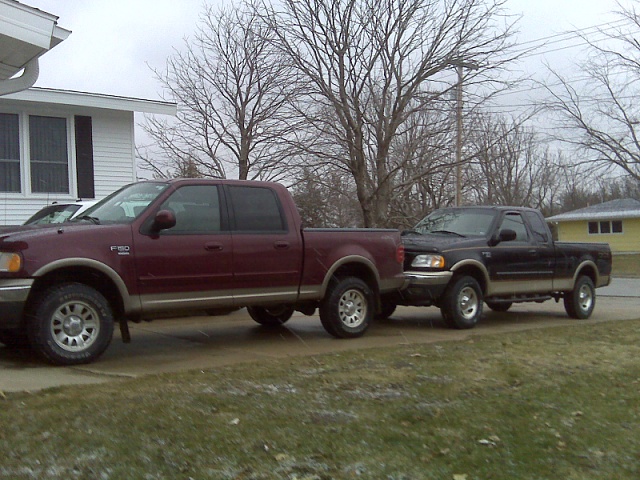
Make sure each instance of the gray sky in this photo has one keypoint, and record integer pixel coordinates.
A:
(114, 43)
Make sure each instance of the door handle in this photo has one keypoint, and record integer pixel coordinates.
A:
(281, 245)
(213, 247)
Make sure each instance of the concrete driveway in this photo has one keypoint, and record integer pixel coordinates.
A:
(207, 342)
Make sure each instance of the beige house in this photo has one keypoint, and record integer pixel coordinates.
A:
(616, 222)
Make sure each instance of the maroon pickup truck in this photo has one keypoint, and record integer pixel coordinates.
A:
(158, 248)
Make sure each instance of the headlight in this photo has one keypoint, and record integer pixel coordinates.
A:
(10, 262)
(428, 261)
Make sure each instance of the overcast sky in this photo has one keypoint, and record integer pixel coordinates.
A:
(114, 43)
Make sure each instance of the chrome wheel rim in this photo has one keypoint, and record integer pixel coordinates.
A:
(352, 308)
(75, 326)
(468, 303)
(585, 298)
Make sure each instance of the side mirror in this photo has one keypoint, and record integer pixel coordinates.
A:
(164, 219)
(506, 235)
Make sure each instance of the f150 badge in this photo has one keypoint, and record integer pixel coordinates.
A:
(121, 249)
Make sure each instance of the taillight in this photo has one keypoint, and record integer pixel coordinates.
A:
(400, 254)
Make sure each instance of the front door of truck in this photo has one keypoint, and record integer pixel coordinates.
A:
(267, 249)
(189, 265)
(520, 265)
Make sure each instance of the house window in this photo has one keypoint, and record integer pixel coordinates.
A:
(34, 153)
(49, 155)
(9, 153)
(605, 227)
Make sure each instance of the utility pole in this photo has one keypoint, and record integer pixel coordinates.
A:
(459, 136)
(460, 64)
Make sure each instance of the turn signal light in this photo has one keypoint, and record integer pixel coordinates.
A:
(10, 262)
(400, 254)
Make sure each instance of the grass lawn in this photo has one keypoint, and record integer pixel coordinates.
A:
(556, 403)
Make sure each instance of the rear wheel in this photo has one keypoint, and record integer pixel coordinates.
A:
(461, 305)
(499, 306)
(70, 324)
(347, 309)
(271, 316)
(580, 302)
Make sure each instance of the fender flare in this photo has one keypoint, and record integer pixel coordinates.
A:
(130, 304)
(352, 259)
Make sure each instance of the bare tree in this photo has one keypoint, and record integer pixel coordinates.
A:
(510, 165)
(235, 94)
(371, 65)
(600, 116)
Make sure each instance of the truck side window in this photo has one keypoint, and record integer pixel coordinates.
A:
(513, 221)
(197, 209)
(256, 209)
(538, 227)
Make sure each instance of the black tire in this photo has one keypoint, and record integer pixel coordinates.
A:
(386, 310)
(271, 316)
(70, 324)
(580, 302)
(461, 305)
(348, 308)
(14, 338)
(499, 306)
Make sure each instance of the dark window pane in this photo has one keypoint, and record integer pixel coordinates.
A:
(256, 210)
(617, 226)
(593, 228)
(48, 153)
(514, 222)
(9, 153)
(538, 226)
(605, 227)
(197, 209)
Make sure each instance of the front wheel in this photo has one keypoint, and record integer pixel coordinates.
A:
(580, 302)
(271, 316)
(347, 309)
(70, 324)
(461, 305)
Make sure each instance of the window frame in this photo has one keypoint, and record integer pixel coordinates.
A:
(611, 226)
(25, 188)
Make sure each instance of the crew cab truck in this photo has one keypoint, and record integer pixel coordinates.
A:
(458, 258)
(158, 248)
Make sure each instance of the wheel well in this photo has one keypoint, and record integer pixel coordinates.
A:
(360, 271)
(86, 276)
(471, 271)
(588, 271)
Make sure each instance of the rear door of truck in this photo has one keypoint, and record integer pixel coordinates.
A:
(267, 246)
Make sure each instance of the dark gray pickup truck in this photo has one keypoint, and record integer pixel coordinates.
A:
(459, 258)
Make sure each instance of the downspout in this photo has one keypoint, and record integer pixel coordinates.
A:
(27, 79)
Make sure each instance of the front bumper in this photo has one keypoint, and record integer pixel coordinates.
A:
(425, 288)
(13, 297)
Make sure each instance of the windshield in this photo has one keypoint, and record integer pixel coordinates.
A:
(125, 205)
(53, 214)
(472, 222)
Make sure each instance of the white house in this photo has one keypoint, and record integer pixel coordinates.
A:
(56, 145)
(60, 145)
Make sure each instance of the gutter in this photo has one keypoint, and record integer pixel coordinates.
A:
(30, 74)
